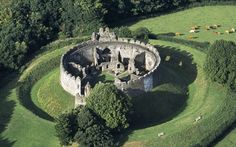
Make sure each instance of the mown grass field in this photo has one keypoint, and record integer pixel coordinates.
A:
(183, 21)
(182, 95)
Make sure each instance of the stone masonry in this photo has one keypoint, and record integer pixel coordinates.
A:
(131, 62)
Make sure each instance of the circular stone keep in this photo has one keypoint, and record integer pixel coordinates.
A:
(131, 62)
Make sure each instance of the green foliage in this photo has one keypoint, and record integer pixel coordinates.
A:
(30, 24)
(82, 125)
(123, 32)
(141, 34)
(81, 16)
(92, 131)
(66, 126)
(111, 105)
(220, 63)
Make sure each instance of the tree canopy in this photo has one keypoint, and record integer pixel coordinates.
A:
(82, 125)
(111, 105)
(220, 63)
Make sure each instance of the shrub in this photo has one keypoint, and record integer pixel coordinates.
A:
(110, 104)
(124, 32)
(141, 34)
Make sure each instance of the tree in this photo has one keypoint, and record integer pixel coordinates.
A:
(220, 63)
(82, 125)
(232, 74)
(92, 130)
(81, 16)
(28, 26)
(66, 127)
(111, 105)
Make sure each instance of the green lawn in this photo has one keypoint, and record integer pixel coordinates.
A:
(106, 77)
(205, 99)
(48, 94)
(19, 127)
(183, 21)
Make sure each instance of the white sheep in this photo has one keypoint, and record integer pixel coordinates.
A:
(198, 118)
(161, 134)
(192, 31)
(232, 30)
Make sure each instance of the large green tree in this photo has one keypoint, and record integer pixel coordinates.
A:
(82, 125)
(66, 127)
(110, 104)
(92, 130)
(220, 63)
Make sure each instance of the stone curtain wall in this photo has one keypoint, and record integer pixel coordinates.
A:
(72, 84)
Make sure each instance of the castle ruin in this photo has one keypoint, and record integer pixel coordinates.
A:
(131, 63)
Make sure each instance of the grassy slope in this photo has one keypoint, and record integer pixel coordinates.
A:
(205, 99)
(20, 127)
(184, 20)
(48, 94)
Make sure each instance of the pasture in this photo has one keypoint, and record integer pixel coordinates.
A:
(203, 17)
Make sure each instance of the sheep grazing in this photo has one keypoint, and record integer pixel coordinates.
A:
(216, 25)
(217, 33)
(198, 118)
(227, 32)
(160, 134)
(195, 27)
(192, 31)
(232, 30)
(177, 34)
(208, 27)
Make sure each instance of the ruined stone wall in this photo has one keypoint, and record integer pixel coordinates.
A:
(143, 83)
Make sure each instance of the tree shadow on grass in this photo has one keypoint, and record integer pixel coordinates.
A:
(168, 98)
(6, 110)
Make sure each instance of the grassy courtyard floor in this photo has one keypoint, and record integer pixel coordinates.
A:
(183, 21)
